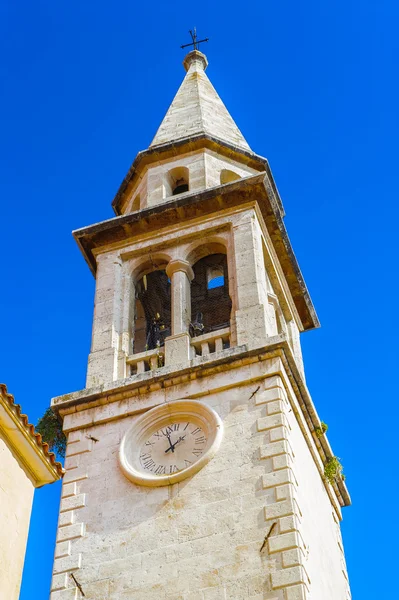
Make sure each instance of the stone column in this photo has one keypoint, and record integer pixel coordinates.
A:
(177, 346)
(251, 315)
(126, 322)
(103, 358)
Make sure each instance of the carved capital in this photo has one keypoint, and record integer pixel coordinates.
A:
(180, 265)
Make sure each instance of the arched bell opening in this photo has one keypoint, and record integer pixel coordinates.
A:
(177, 181)
(210, 300)
(153, 311)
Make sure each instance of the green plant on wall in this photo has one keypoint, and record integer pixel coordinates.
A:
(332, 469)
(50, 428)
(322, 429)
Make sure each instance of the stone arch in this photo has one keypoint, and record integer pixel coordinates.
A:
(177, 181)
(149, 262)
(199, 249)
(152, 299)
(210, 305)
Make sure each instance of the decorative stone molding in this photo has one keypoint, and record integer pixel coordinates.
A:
(70, 526)
(283, 516)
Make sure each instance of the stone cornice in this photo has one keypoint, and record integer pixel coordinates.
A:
(256, 188)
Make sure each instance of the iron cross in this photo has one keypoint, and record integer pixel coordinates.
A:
(196, 42)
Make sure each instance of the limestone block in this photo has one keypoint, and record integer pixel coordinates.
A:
(293, 557)
(274, 449)
(70, 532)
(71, 594)
(84, 445)
(62, 549)
(290, 523)
(251, 326)
(279, 433)
(59, 582)
(75, 475)
(68, 489)
(288, 577)
(296, 592)
(270, 394)
(284, 541)
(275, 407)
(68, 563)
(271, 422)
(74, 436)
(284, 461)
(66, 518)
(73, 502)
(276, 478)
(177, 349)
(102, 367)
(71, 462)
(286, 491)
(280, 509)
(274, 381)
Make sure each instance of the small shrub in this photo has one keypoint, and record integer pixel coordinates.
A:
(322, 429)
(332, 469)
(50, 428)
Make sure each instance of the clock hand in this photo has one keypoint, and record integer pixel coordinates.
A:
(172, 446)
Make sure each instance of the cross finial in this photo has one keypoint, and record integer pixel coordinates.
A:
(196, 42)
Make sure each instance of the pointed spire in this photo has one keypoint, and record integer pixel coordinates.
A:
(197, 109)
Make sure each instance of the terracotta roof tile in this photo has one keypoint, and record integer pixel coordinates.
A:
(30, 429)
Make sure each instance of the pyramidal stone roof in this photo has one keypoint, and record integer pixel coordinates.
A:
(197, 109)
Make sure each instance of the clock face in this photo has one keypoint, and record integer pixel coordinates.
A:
(170, 442)
(174, 447)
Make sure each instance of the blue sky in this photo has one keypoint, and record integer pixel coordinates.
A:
(314, 88)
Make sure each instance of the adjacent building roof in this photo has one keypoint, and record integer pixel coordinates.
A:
(198, 109)
(25, 443)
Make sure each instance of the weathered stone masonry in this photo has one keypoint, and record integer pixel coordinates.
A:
(259, 521)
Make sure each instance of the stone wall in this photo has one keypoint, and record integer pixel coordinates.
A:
(201, 539)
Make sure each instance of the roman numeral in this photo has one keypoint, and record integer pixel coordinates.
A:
(196, 431)
(157, 434)
(186, 426)
(200, 440)
(187, 463)
(149, 443)
(197, 452)
(149, 463)
(160, 470)
(145, 456)
(173, 469)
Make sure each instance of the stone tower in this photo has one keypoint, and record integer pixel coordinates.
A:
(195, 464)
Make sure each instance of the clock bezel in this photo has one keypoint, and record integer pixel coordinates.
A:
(152, 420)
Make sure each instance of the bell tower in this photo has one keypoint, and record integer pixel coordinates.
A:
(195, 464)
